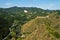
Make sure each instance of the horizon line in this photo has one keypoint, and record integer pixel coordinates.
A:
(29, 7)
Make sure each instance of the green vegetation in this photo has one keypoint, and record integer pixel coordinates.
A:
(28, 24)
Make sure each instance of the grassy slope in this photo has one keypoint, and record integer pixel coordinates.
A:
(41, 29)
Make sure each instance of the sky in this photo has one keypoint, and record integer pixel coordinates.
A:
(44, 4)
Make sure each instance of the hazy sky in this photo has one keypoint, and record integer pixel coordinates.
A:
(45, 4)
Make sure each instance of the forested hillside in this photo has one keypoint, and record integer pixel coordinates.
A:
(15, 18)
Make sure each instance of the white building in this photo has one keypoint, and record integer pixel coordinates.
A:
(25, 11)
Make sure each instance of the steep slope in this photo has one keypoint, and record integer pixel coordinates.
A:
(41, 29)
(17, 13)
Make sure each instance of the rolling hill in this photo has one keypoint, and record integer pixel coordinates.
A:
(42, 28)
(31, 22)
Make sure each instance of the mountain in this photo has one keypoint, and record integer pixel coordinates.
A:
(15, 17)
